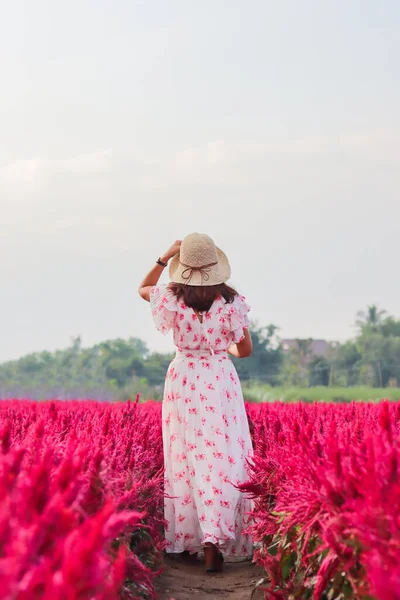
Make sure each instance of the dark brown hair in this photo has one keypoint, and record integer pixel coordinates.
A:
(201, 297)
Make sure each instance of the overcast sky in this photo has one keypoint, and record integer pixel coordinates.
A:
(272, 126)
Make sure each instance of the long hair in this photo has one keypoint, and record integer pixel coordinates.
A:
(201, 297)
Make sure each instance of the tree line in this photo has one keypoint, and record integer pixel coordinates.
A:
(121, 368)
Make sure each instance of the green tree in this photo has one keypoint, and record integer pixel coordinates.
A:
(296, 364)
(155, 368)
(390, 327)
(266, 360)
(319, 371)
(370, 319)
(346, 364)
(373, 358)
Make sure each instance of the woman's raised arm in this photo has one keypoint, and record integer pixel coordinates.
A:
(154, 274)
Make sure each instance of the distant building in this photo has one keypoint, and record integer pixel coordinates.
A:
(316, 348)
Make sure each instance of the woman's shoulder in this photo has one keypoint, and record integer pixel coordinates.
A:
(238, 303)
(162, 294)
(234, 311)
(164, 307)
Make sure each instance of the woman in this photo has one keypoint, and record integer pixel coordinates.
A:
(205, 428)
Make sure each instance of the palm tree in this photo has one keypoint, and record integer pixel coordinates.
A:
(371, 318)
(369, 323)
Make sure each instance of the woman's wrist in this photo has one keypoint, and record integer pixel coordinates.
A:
(164, 258)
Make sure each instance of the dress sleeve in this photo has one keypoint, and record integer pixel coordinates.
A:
(238, 313)
(163, 304)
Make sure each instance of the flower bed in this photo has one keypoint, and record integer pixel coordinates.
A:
(326, 486)
(80, 500)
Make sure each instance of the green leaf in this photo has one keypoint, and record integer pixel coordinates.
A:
(273, 548)
(288, 564)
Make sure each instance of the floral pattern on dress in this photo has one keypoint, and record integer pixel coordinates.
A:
(206, 434)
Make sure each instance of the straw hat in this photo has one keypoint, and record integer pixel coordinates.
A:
(199, 262)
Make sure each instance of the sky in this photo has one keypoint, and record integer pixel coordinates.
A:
(272, 126)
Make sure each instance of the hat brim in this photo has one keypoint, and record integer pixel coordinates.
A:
(219, 273)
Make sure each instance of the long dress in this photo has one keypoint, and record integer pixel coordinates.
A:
(206, 437)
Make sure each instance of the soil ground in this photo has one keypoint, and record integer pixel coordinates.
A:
(183, 581)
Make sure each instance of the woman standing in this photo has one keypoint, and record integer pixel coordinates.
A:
(206, 434)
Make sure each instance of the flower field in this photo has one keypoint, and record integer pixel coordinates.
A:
(327, 500)
(81, 500)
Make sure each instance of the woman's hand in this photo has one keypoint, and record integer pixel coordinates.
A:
(153, 276)
(170, 253)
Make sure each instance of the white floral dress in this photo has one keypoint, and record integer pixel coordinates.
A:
(206, 434)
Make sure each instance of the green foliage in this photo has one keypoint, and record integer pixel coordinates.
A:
(266, 359)
(298, 576)
(105, 371)
(156, 367)
(373, 358)
(121, 368)
(346, 368)
(255, 391)
(370, 319)
(319, 371)
(297, 363)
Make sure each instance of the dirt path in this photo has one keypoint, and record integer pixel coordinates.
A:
(182, 581)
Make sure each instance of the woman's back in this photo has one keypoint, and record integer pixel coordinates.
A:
(219, 327)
